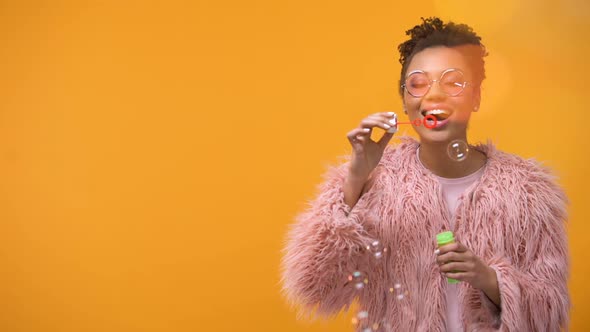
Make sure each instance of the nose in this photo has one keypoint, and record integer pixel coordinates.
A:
(435, 92)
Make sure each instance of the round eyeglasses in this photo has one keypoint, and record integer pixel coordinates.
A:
(451, 82)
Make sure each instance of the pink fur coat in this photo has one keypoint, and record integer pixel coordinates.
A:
(513, 219)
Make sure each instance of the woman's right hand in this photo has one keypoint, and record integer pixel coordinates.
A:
(367, 153)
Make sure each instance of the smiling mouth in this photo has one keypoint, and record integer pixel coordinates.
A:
(440, 115)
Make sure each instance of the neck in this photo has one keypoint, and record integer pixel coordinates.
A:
(434, 156)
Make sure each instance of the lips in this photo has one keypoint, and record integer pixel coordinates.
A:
(439, 114)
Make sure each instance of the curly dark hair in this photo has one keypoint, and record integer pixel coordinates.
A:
(434, 32)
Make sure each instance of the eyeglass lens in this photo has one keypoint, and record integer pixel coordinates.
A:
(451, 83)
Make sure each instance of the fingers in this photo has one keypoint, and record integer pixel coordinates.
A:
(359, 135)
(456, 256)
(458, 262)
(457, 247)
(457, 266)
(391, 120)
(384, 120)
(448, 257)
(458, 275)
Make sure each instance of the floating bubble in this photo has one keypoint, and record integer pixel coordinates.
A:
(358, 279)
(402, 295)
(362, 315)
(398, 291)
(361, 319)
(458, 150)
(362, 322)
(376, 249)
(386, 326)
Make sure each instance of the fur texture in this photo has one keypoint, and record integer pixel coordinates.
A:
(513, 218)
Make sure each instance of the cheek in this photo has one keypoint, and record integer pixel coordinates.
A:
(465, 105)
(413, 106)
(463, 117)
(411, 102)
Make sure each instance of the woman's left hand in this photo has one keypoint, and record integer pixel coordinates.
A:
(457, 262)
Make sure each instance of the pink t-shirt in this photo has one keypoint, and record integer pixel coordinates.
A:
(451, 191)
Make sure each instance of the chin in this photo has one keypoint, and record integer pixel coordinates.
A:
(438, 136)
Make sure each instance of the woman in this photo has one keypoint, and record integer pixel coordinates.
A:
(507, 214)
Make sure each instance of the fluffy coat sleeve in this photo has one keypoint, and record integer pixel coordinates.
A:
(533, 274)
(324, 246)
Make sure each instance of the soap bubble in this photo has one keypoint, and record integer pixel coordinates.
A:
(363, 324)
(386, 326)
(362, 315)
(358, 279)
(361, 319)
(458, 150)
(397, 291)
(376, 249)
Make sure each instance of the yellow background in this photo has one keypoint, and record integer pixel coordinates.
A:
(153, 154)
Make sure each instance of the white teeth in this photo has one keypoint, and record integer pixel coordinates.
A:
(435, 112)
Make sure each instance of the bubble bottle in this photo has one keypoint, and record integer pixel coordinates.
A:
(442, 239)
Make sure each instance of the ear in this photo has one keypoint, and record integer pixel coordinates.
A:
(476, 99)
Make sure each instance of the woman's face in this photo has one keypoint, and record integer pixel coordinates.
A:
(455, 110)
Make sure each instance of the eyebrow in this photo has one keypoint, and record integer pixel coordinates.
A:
(426, 72)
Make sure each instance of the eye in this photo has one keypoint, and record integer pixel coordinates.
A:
(417, 81)
(418, 85)
(452, 79)
(450, 84)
